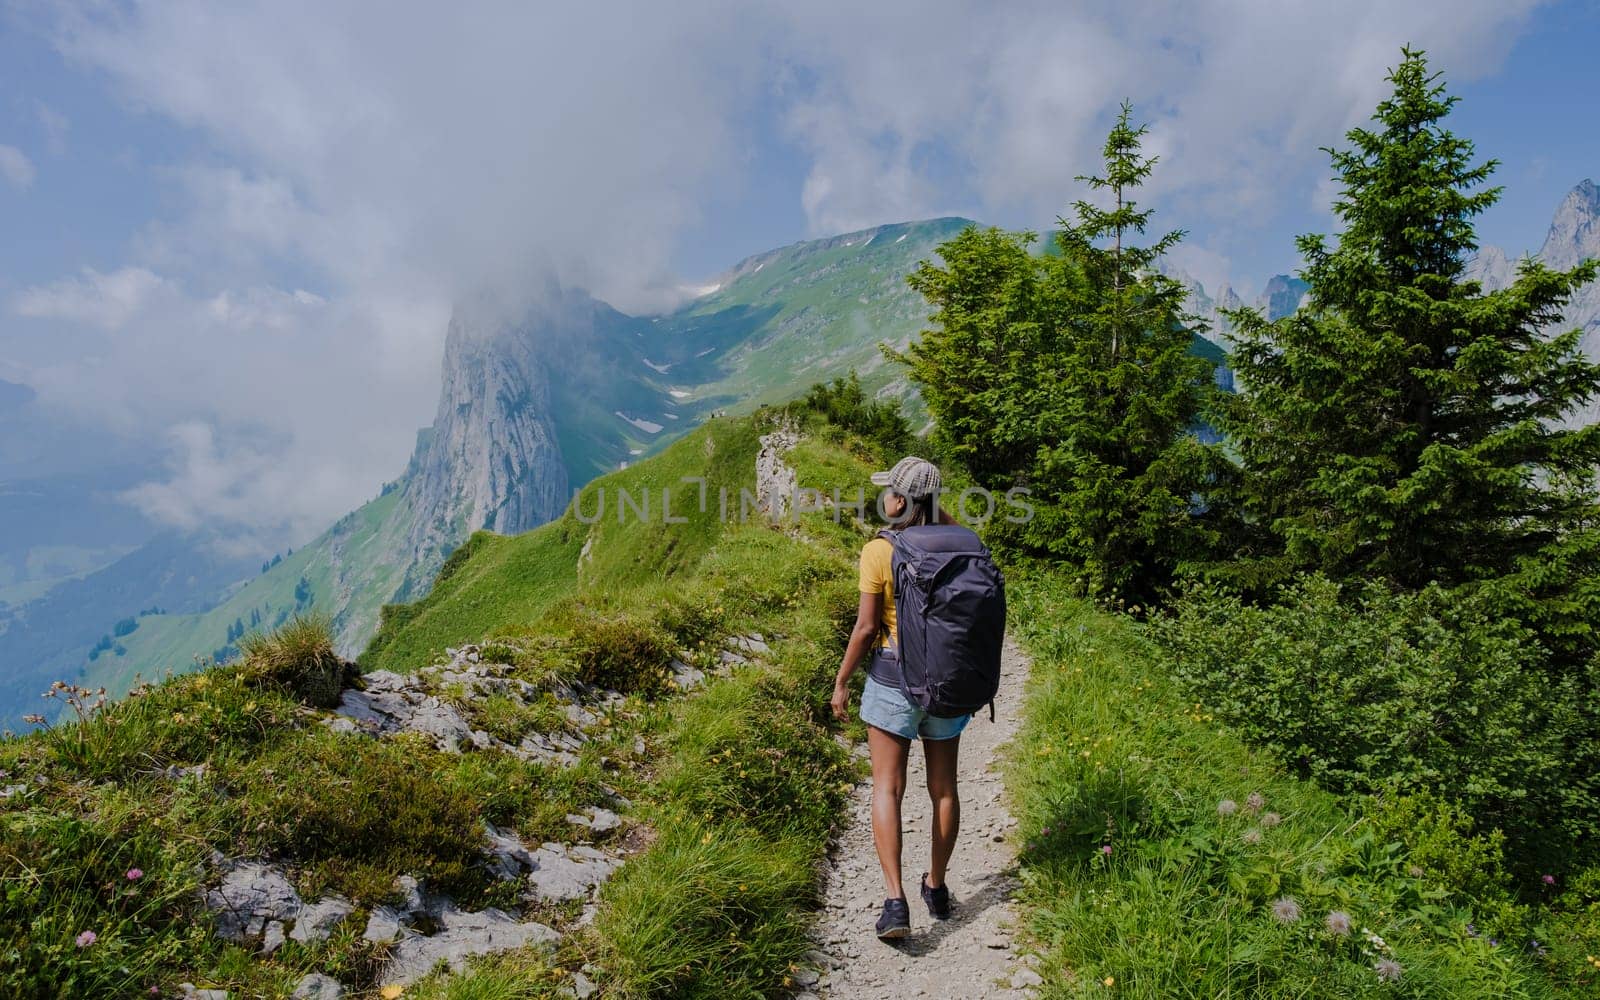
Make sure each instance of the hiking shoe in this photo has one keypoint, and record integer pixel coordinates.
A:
(895, 921)
(938, 900)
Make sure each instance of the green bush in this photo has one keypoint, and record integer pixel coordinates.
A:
(1165, 854)
(297, 657)
(619, 651)
(1363, 689)
(844, 404)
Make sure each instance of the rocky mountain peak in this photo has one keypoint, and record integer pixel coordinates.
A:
(1575, 231)
(491, 459)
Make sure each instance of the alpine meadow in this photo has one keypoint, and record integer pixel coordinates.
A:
(1307, 591)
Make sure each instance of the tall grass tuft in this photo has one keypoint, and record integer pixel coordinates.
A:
(297, 657)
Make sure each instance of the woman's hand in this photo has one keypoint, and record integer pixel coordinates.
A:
(841, 700)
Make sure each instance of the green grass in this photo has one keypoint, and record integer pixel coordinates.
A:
(734, 791)
(1183, 904)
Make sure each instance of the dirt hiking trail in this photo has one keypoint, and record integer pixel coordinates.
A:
(971, 954)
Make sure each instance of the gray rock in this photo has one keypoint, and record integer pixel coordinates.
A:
(1026, 979)
(603, 820)
(316, 921)
(317, 986)
(462, 936)
(561, 874)
(384, 926)
(250, 896)
(806, 977)
(190, 992)
(272, 938)
(752, 643)
(582, 987)
(411, 901)
(508, 856)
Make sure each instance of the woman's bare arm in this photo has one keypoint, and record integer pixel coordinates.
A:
(862, 635)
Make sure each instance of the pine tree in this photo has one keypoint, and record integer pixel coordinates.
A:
(1072, 374)
(1404, 423)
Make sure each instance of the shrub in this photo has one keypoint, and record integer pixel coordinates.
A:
(844, 404)
(297, 657)
(619, 652)
(1363, 688)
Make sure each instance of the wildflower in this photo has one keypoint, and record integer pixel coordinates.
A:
(1106, 850)
(1388, 970)
(135, 874)
(1253, 802)
(1271, 820)
(1338, 923)
(1045, 831)
(1111, 980)
(391, 992)
(1548, 879)
(33, 719)
(1227, 807)
(1285, 910)
(1251, 836)
(87, 938)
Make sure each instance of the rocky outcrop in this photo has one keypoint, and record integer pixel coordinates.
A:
(491, 459)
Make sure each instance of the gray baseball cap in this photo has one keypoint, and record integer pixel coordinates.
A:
(911, 477)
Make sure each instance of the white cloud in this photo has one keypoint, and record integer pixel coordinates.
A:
(396, 157)
(1239, 94)
(15, 167)
(279, 410)
(107, 301)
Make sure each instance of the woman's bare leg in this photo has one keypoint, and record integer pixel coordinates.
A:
(889, 754)
(941, 759)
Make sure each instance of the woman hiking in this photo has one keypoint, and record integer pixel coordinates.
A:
(910, 499)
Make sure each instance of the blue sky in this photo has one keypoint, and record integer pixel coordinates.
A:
(210, 208)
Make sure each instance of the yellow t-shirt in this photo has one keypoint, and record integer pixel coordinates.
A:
(877, 577)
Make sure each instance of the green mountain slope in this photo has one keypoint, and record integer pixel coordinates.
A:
(616, 388)
(724, 779)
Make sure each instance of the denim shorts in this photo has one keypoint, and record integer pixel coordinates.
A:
(887, 709)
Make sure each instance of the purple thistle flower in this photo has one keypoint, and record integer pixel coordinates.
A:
(135, 874)
(1106, 850)
(1548, 879)
(87, 938)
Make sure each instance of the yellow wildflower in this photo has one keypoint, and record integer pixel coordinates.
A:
(391, 992)
(1111, 981)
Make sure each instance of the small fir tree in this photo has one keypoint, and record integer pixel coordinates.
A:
(1404, 423)
(1072, 375)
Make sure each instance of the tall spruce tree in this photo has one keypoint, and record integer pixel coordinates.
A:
(1404, 423)
(1072, 374)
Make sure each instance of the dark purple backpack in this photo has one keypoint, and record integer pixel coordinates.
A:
(950, 610)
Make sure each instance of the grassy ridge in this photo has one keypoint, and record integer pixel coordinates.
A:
(1164, 858)
(734, 791)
